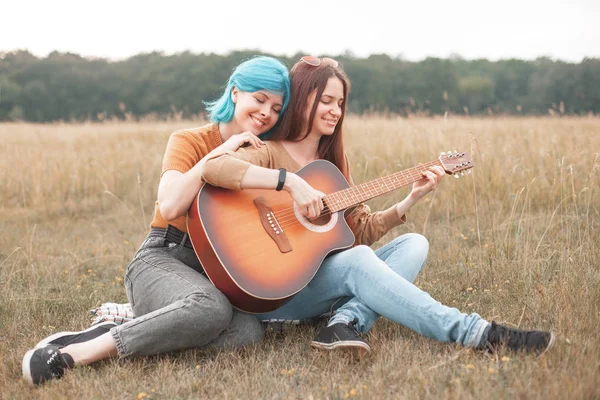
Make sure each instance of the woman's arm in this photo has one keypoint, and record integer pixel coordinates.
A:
(255, 169)
(369, 227)
(177, 190)
(431, 179)
(307, 198)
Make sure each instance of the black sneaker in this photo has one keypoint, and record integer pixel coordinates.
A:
(537, 342)
(43, 364)
(342, 336)
(63, 339)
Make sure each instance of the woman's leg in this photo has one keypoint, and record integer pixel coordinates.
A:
(178, 308)
(244, 329)
(404, 255)
(359, 273)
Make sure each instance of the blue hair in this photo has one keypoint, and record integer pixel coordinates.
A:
(259, 73)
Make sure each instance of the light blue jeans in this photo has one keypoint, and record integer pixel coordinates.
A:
(366, 284)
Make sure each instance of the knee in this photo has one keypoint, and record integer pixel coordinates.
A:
(361, 257)
(419, 247)
(414, 243)
(417, 243)
(362, 252)
(213, 307)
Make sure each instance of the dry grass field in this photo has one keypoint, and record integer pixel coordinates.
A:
(518, 241)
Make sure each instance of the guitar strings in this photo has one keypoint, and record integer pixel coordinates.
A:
(284, 216)
(287, 217)
(360, 189)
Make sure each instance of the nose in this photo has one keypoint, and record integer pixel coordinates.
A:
(336, 110)
(265, 110)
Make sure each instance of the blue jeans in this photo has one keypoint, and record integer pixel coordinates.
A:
(366, 284)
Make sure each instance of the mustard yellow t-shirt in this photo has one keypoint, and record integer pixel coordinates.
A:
(185, 149)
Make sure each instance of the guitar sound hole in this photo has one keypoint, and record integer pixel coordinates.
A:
(321, 220)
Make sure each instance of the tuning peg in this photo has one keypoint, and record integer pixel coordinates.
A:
(449, 152)
(462, 173)
(456, 176)
(455, 152)
(468, 172)
(443, 153)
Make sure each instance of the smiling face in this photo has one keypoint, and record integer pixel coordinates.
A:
(329, 107)
(256, 112)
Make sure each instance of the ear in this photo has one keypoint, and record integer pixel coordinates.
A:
(234, 94)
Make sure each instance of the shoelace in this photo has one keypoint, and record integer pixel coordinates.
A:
(56, 365)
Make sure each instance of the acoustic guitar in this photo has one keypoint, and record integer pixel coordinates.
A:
(258, 249)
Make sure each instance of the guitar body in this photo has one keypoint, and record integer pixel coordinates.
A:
(260, 264)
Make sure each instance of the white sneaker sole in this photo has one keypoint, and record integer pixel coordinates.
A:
(357, 349)
(550, 344)
(51, 338)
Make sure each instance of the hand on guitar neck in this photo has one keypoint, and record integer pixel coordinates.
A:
(430, 181)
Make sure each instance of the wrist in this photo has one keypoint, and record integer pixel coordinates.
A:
(413, 197)
(405, 205)
(289, 181)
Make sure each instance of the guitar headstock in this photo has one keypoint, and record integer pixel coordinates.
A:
(455, 163)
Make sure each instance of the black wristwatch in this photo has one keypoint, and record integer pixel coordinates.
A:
(281, 180)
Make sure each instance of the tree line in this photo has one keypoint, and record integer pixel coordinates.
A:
(68, 87)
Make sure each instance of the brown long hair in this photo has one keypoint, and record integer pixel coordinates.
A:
(295, 127)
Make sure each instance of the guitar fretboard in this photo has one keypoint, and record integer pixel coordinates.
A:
(354, 195)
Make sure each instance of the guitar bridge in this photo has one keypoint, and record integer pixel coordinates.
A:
(271, 225)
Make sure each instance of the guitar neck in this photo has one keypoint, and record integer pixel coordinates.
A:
(355, 195)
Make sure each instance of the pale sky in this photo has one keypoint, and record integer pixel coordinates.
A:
(561, 29)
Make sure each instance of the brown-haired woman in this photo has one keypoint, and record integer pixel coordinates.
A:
(361, 283)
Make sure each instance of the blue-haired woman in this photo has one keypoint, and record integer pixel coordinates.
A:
(176, 306)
